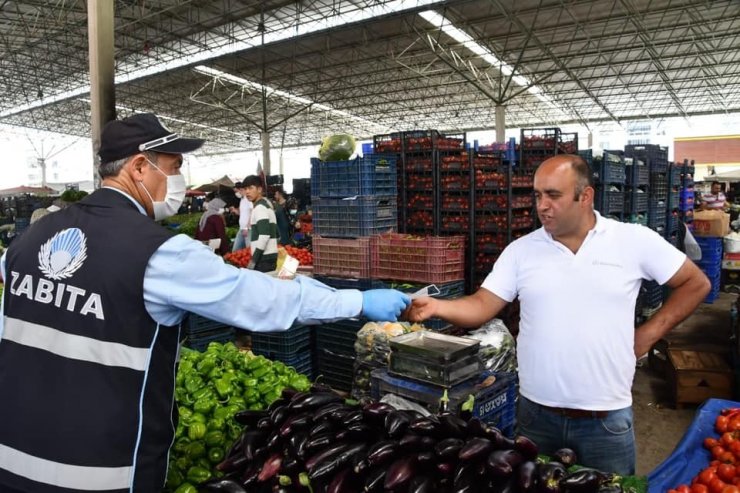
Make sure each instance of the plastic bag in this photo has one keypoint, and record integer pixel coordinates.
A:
(337, 147)
(692, 248)
(497, 348)
(404, 404)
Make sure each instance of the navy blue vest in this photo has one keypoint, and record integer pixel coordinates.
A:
(86, 375)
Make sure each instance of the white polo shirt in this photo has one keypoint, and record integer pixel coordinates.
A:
(575, 347)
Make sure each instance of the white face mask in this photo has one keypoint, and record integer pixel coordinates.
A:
(238, 195)
(176, 188)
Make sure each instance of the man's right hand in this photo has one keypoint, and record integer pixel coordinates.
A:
(421, 309)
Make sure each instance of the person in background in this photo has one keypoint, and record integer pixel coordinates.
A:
(283, 207)
(715, 199)
(91, 316)
(577, 279)
(245, 217)
(212, 226)
(264, 232)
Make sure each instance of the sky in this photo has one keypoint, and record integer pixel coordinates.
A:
(70, 160)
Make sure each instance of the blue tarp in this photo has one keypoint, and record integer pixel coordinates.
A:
(689, 457)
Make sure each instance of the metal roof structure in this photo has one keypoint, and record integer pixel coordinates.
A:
(368, 67)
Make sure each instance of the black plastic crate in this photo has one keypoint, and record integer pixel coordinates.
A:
(637, 175)
(282, 345)
(339, 336)
(347, 283)
(610, 202)
(652, 293)
(201, 340)
(196, 324)
(635, 201)
(334, 369)
(610, 172)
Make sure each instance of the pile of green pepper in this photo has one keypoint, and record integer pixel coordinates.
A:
(211, 387)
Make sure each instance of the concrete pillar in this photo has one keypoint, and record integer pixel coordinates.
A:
(265, 136)
(100, 26)
(500, 124)
(590, 140)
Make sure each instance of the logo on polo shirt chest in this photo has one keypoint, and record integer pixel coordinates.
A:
(607, 264)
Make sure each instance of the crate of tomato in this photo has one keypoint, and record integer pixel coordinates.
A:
(429, 259)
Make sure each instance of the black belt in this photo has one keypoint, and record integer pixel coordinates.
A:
(576, 413)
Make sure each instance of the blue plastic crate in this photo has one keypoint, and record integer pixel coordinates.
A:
(635, 201)
(611, 172)
(652, 293)
(372, 174)
(712, 296)
(315, 181)
(279, 345)
(302, 362)
(200, 341)
(495, 405)
(709, 243)
(196, 324)
(351, 218)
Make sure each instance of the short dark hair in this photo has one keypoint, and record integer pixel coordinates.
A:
(584, 174)
(252, 181)
(716, 183)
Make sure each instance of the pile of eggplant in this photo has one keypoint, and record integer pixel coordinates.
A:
(315, 442)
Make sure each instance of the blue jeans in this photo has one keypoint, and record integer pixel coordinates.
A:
(607, 444)
(240, 242)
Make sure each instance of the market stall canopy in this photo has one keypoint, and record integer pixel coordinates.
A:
(194, 193)
(31, 190)
(216, 186)
(727, 176)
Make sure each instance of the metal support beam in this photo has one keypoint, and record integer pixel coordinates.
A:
(500, 124)
(100, 24)
(265, 136)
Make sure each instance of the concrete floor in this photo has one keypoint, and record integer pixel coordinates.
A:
(658, 424)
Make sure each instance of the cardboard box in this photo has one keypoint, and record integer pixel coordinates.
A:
(711, 223)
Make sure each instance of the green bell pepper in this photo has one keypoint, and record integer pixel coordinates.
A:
(186, 488)
(185, 413)
(196, 431)
(181, 445)
(174, 478)
(223, 387)
(196, 450)
(215, 455)
(216, 424)
(220, 413)
(214, 438)
(198, 418)
(198, 475)
(193, 383)
(204, 405)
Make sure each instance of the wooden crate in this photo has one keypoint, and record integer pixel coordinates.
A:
(696, 376)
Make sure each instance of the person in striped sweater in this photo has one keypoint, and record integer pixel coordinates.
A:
(264, 230)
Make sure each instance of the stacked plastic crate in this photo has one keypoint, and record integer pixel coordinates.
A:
(200, 331)
(711, 263)
(341, 246)
(686, 197)
(636, 191)
(656, 158)
(292, 347)
(610, 179)
(673, 213)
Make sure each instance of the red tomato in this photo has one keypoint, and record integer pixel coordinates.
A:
(722, 423)
(727, 438)
(726, 472)
(706, 476)
(727, 457)
(699, 488)
(717, 485)
(717, 451)
(730, 488)
(710, 443)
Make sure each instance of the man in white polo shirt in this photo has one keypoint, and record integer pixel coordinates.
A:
(577, 278)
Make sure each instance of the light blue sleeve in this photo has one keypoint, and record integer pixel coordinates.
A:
(183, 275)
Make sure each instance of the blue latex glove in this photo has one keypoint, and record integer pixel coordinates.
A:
(384, 304)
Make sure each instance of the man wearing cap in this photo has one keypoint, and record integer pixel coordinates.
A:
(90, 321)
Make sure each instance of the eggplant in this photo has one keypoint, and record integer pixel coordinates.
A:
(357, 431)
(320, 387)
(249, 417)
(526, 447)
(526, 476)
(585, 480)
(501, 463)
(425, 458)
(476, 427)
(251, 441)
(396, 423)
(375, 480)
(234, 463)
(227, 485)
(475, 448)
(445, 469)
(321, 428)
(465, 484)
(314, 401)
(422, 484)
(274, 442)
(279, 415)
(565, 456)
(400, 473)
(280, 401)
(338, 415)
(343, 482)
(316, 444)
(299, 395)
(323, 454)
(375, 412)
(382, 453)
(549, 476)
(325, 411)
(425, 426)
(288, 393)
(296, 441)
(264, 424)
(295, 423)
(250, 476)
(453, 426)
(331, 464)
(353, 417)
(449, 448)
(270, 468)
(508, 486)
(290, 466)
(611, 488)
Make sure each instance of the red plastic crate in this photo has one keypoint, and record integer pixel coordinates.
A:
(341, 257)
(428, 259)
